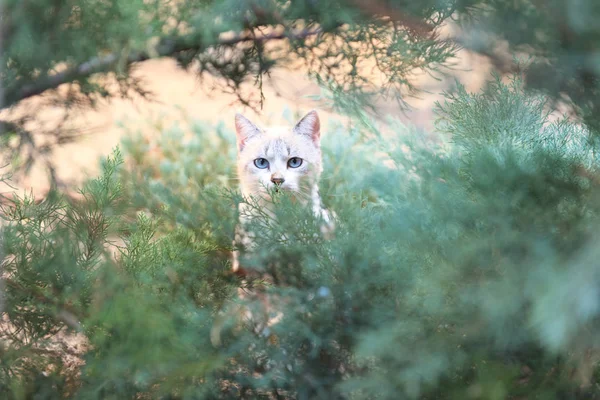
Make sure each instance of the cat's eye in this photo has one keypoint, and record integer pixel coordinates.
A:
(294, 162)
(261, 163)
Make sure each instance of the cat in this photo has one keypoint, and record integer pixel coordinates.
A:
(278, 158)
(270, 160)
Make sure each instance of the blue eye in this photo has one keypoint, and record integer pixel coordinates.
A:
(294, 162)
(261, 163)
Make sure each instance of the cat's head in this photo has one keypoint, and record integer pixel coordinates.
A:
(282, 158)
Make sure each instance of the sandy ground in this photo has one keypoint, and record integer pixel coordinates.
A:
(178, 95)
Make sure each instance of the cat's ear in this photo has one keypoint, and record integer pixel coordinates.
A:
(310, 126)
(245, 130)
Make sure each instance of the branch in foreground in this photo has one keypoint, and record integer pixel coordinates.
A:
(375, 7)
(164, 49)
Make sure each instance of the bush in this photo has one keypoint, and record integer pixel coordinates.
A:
(462, 269)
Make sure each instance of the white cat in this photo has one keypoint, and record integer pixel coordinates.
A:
(272, 159)
(278, 158)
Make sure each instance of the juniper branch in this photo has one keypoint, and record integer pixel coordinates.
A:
(166, 48)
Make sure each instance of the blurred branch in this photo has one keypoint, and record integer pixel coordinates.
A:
(377, 7)
(502, 62)
(3, 32)
(164, 49)
(170, 47)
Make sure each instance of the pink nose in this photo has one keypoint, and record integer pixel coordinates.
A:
(277, 180)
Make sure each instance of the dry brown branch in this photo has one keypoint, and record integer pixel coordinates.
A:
(376, 7)
(164, 49)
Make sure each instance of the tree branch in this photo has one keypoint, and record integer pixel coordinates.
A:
(170, 47)
(163, 49)
(376, 7)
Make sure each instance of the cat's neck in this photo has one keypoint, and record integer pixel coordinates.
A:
(316, 200)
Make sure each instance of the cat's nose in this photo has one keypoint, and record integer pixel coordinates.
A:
(277, 179)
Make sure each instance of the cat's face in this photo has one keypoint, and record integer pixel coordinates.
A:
(278, 158)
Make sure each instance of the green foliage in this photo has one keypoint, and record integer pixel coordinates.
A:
(561, 39)
(463, 269)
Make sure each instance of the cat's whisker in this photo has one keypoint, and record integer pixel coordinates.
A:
(301, 195)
